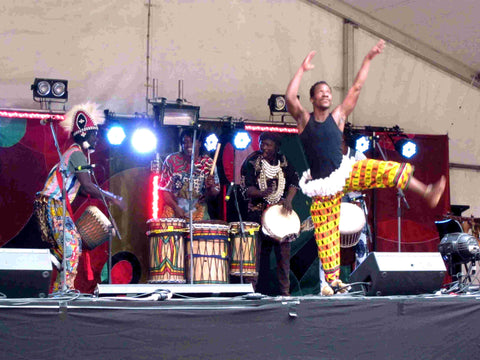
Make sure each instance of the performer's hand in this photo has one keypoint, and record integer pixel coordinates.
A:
(209, 181)
(377, 49)
(266, 192)
(307, 65)
(180, 213)
(286, 207)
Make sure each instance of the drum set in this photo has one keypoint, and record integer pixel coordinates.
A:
(214, 251)
(217, 251)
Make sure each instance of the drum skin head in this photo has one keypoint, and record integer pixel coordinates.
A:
(278, 225)
(352, 218)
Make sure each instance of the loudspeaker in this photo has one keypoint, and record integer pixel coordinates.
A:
(400, 273)
(25, 273)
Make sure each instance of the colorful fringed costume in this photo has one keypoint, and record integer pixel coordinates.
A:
(330, 176)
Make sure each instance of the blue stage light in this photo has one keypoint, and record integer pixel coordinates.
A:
(362, 144)
(116, 135)
(144, 140)
(241, 140)
(406, 147)
(211, 142)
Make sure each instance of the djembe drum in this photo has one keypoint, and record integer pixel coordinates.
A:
(352, 221)
(210, 253)
(279, 225)
(244, 251)
(94, 228)
(166, 250)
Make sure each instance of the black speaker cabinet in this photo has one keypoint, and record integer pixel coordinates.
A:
(400, 273)
(25, 273)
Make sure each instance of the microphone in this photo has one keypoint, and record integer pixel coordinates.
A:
(229, 191)
(46, 121)
(85, 167)
(356, 197)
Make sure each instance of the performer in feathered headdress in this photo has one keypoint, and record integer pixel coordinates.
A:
(82, 123)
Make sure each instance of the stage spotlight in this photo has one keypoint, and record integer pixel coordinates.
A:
(49, 89)
(277, 104)
(459, 248)
(144, 140)
(116, 135)
(174, 113)
(362, 143)
(211, 142)
(241, 140)
(406, 147)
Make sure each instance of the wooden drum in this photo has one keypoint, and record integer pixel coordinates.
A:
(210, 253)
(166, 250)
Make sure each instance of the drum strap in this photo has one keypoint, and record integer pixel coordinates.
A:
(69, 208)
(60, 183)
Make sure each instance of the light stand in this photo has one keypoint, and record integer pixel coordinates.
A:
(400, 197)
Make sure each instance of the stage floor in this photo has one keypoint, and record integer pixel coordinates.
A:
(248, 326)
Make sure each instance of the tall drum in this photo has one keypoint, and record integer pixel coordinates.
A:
(210, 253)
(244, 251)
(166, 250)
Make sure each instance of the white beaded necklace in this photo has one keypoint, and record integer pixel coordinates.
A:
(272, 172)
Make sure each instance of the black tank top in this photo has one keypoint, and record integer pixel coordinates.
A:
(322, 142)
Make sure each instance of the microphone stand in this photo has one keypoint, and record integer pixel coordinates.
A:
(113, 226)
(400, 197)
(190, 200)
(242, 232)
(63, 171)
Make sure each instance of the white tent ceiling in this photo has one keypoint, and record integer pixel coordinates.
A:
(451, 27)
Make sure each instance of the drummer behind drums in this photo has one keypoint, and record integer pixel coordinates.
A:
(175, 179)
(268, 179)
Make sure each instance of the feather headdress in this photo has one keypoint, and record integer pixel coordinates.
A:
(82, 118)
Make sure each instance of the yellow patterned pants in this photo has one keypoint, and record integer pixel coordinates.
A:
(325, 210)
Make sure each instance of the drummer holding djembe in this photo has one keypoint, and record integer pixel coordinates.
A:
(71, 176)
(269, 180)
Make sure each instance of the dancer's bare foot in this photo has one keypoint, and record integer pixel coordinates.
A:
(435, 191)
(326, 290)
(340, 285)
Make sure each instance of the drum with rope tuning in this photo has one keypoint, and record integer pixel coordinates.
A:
(244, 251)
(94, 228)
(208, 253)
(167, 252)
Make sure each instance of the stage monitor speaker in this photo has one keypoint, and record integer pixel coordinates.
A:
(391, 273)
(25, 273)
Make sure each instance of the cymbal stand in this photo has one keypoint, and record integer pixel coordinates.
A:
(400, 197)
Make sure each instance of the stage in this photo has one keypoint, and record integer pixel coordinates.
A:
(240, 326)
